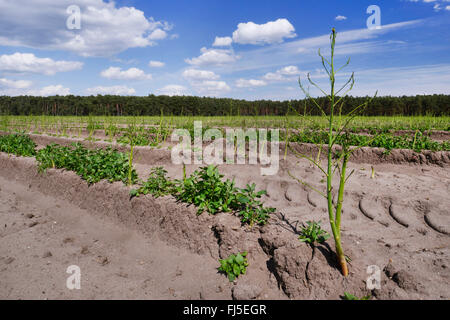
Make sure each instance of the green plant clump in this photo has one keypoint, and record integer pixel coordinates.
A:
(252, 210)
(91, 165)
(206, 190)
(139, 139)
(234, 266)
(157, 184)
(349, 296)
(312, 232)
(18, 144)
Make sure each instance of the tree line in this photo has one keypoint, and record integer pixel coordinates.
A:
(435, 105)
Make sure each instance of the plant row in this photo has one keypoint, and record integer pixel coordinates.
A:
(418, 142)
(206, 189)
(91, 165)
(17, 144)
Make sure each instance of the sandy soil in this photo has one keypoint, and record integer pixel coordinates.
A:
(41, 236)
(159, 249)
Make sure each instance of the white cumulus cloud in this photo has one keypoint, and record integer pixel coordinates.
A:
(106, 27)
(249, 83)
(205, 82)
(158, 34)
(22, 88)
(15, 84)
(156, 64)
(29, 63)
(196, 75)
(289, 71)
(283, 74)
(113, 90)
(222, 42)
(213, 57)
(340, 18)
(130, 74)
(173, 90)
(52, 90)
(212, 87)
(270, 32)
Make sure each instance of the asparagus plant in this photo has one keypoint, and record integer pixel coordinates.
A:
(336, 134)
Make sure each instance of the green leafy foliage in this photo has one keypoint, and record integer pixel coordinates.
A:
(136, 139)
(157, 184)
(140, 136)
(234, 266)
(91, 165)
(349, 296)
(250, 209)
(388, 141)
(111, 130)
(157, 135)
(312, 232)
(206, 190)
(17, 144)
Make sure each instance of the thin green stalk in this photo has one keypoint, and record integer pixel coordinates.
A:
(335, 221)
(342, 181)
(130, 165)
(334, 213)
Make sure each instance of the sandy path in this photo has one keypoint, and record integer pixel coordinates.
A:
(41, 236)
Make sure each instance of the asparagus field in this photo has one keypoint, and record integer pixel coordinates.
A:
(320, 198)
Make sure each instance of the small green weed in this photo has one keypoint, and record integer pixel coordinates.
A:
(234, 266)
(206, 190)
(157, 185)
(312, 232)
(250, 209)
(349, 296)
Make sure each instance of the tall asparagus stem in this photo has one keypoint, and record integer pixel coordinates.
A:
(336, 134)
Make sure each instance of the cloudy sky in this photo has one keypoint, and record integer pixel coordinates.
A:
(223, 48)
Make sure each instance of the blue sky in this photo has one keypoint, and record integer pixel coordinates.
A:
(240, 49)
